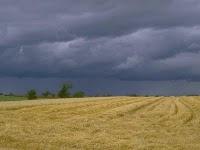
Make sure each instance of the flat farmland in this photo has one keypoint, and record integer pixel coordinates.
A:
(111, 123)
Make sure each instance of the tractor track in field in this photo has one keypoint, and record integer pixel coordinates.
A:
(174, 108)
(190, 113)
(172, 112)
(179, 111)
(144, 106)
(58, 103)
(155, 105)
(100, 107)
(130, 108)
(194, 104)
(97, 108)
(75, 105)
(162, 110)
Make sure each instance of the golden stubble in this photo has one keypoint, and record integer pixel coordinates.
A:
(141, 123)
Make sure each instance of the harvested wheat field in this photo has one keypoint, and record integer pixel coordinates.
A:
(139, 123)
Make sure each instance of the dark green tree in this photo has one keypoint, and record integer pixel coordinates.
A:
(32, 94)
(79, 94)
(64, 91)
(53, 95)
(46, 94)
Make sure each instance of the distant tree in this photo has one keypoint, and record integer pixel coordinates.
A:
(133, 95)
(64, 91)
(107, 95)
(97, 95)
(79, 94)
(46, 94)
(11, 94)
(32, 94)
(53, 95)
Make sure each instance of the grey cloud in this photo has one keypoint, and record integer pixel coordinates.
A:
(129, 40)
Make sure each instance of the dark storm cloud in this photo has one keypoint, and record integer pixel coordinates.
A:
(129, 40)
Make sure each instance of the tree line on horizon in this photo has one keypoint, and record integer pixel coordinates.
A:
(64, 92)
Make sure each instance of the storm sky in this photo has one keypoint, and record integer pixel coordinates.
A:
(114, 46)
